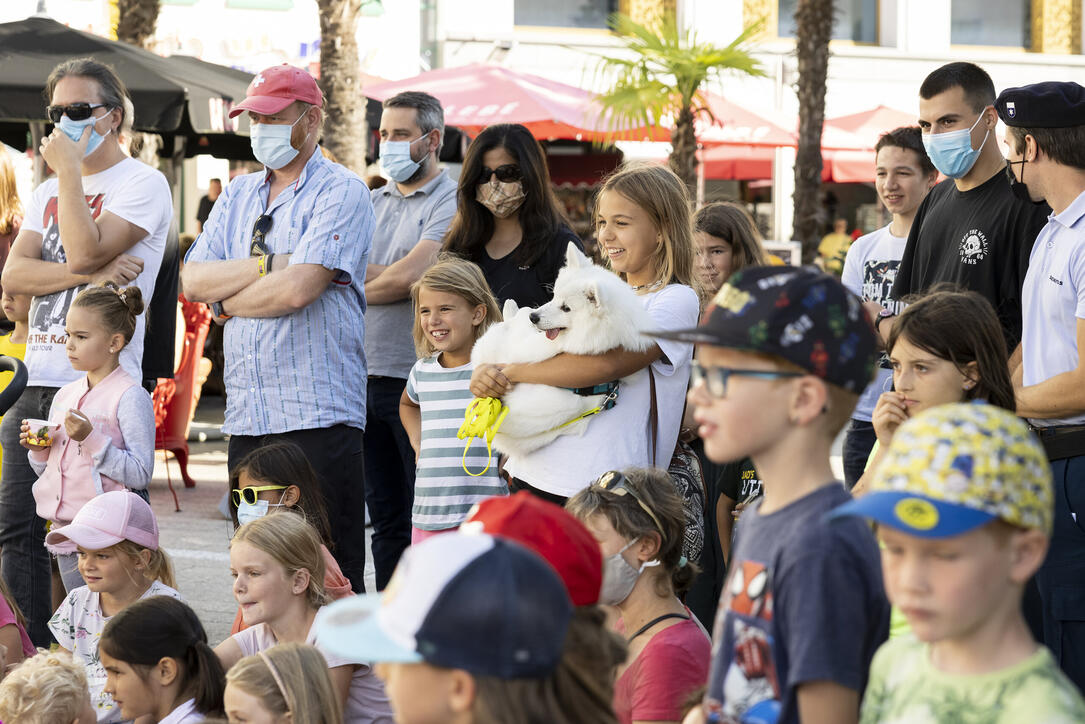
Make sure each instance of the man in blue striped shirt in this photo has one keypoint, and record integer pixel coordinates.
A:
(282, 261)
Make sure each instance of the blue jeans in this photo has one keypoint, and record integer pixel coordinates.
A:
(858, 442)
(389, 475)
(1061, 579)
(24, 562)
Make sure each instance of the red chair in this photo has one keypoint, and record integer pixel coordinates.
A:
(175, 400)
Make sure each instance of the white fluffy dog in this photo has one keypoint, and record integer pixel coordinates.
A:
(593, 311)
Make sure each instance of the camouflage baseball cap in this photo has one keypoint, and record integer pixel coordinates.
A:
(956, 467)
(800, 314)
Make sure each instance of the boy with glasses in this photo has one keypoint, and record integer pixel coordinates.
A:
(782, 357)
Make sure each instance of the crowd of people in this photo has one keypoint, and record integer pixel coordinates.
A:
(688, 556)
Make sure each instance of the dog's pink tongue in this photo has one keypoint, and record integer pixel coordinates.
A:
(553, 333)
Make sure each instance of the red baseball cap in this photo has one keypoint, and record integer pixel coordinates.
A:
(550, 531)
(277, 87)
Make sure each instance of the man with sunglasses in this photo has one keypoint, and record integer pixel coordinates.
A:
(413, 212)
(282, 260)
(103, 218)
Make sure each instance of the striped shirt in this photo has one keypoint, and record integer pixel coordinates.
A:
(304, 370)
(443, 493)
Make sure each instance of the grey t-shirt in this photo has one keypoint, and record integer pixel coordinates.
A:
(402, 221)
(803, 602)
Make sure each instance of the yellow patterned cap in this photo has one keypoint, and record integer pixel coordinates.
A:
(956, 467)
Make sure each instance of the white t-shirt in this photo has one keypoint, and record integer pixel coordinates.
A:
(1053, 300)
(618, 438)
(77, 626)
(870, 269)
(184, 714)
(366, 702)
(130, 190)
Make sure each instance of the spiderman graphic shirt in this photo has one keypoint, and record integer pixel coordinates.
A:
(803, 602)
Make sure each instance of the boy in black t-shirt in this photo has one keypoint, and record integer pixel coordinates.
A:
(970, 230)
(782, 356)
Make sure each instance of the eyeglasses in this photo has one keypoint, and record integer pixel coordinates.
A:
(259, 230)
(616, 483)
(506, 173)
(252, 493)
(715, 378)
(74, 111)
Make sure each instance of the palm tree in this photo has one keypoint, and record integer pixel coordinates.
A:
(344, 107)
(662, 82)
(813, 30)
(136, 20)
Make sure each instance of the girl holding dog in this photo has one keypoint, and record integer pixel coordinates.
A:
(453, 307)
(508, 220)
(642, 221)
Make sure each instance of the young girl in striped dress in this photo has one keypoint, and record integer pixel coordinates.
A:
(453, 307)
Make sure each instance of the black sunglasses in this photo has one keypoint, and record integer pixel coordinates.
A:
(259, 231)
(74, 111)
(616, 483)
(506, 173)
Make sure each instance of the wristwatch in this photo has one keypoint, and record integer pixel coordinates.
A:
(882, 316)
(217, 313)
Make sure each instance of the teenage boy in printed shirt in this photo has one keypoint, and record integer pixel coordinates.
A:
(782, 357)
(1045, 141)
(963, 504)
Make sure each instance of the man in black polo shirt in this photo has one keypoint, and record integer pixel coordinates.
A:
(970, 230)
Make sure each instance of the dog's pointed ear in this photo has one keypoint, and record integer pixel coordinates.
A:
(510, 309)
(574, 258)
(594, 295)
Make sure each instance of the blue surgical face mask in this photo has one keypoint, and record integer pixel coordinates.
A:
(248, 512)
(271, 143)
(952, 152)
(396, 160)
(74, 130)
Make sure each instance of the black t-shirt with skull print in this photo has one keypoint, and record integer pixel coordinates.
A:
(979, 240)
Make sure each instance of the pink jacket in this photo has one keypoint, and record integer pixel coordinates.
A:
(70, 478)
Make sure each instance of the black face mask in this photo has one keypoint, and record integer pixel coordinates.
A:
(1019, 188)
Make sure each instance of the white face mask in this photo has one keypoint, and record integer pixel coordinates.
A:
(619, 577)
(271, 143)
(248, 512)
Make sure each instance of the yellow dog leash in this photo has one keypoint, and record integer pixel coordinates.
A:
(484, 416)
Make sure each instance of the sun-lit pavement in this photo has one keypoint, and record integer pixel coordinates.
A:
(198, 537)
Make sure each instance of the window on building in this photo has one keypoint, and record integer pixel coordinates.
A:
(855, 20)
(991, 22)
(564, 13)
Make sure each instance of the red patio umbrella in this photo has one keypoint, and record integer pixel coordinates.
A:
(867, 126)
(733, 125)
(476, 96)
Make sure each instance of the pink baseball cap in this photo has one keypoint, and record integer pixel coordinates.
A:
(277, 87)
(107, 520)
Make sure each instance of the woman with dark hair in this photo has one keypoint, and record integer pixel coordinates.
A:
(507, 218)
(636, 515)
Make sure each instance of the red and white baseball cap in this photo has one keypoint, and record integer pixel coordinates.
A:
(483, 604)
(277, 87)
(550, 531)
(107, 520)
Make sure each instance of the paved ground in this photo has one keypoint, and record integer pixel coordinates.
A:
(198, 537)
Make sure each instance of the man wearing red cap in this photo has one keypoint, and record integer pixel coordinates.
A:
(282, 261)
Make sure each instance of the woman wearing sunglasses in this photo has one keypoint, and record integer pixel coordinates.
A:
(278, 477)
(637, 517)
(508, 220)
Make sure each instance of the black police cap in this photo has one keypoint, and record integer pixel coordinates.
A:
(1053, 104)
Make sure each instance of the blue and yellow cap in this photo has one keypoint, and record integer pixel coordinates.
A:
(956, 467)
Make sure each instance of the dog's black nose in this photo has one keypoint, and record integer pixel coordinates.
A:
(534, 317)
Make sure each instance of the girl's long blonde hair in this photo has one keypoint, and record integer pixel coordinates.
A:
(10, 208)
(289, 678)
(664, 197)
(453, 275)
(159, 567)
(294, 544)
